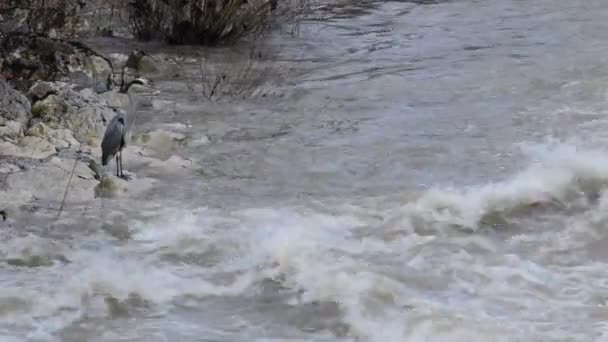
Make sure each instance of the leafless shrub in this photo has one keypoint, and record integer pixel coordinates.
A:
(246, 69)
(205, 22)
(147, 19)
(237, 71)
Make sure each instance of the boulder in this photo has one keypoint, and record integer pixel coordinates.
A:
(60, 138)
(173, 164)
(30, 250)
(48, 181)
(160, 140)
(28, 147)
(28, 57)
(114, 187)
(10, 129)
(84, 112)
(40, 90)
(15, 111)
(81, 81)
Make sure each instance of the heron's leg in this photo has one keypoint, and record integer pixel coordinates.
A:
(122, 175)
(117, 166)
(120, 159)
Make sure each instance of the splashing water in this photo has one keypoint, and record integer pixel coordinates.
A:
(433, 172)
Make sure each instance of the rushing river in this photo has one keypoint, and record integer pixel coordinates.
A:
(431, 171)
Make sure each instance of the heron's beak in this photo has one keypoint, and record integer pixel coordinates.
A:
(148, 55)
(152, 86)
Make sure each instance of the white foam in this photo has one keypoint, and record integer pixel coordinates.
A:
(555, 171)
(390, 283)
(55, 297)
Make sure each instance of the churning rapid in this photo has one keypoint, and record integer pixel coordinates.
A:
(415, 171)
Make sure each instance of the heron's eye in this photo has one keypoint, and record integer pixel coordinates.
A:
(121, 120)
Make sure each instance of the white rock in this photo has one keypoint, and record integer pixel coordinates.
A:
(12, 129)
(39, 130)
(84, 112)
(63, 138)
(118, 59)
(100, 66)
(8, 168)
(60, 138)
(41, 89)
(28, 147)
(48, 182)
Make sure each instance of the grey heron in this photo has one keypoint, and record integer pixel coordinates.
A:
(114, 137)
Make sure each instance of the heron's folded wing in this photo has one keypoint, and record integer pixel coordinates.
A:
(113, 136)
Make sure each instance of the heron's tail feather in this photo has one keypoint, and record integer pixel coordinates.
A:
(105, 158)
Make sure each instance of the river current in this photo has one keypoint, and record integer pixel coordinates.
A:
(406, 171)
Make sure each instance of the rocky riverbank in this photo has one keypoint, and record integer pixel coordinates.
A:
(56, 98)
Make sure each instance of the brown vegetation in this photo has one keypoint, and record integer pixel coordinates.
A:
(206, 22)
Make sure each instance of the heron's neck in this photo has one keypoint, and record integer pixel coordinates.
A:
(132, 103)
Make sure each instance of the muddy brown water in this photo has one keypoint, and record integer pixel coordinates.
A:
(407, 171)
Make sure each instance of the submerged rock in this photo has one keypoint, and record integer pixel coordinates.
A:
(160, 140)
(31, 251)
(105, 188)
(30, 261)
(173, 164)
(111, 186)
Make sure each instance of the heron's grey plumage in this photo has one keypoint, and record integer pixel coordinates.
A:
(114, 139)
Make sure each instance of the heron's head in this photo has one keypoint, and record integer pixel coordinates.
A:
(139, 82)
(142, 81)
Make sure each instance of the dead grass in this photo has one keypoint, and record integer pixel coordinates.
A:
(203, 22)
